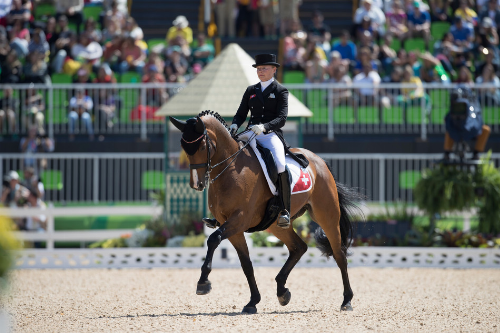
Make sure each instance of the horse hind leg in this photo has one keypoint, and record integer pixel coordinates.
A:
(329, 240)
(297, 247)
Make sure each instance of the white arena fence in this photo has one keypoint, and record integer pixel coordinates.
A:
(131, 177)
(50, 235)
(337, 109)
(402, 257)
(224, 257)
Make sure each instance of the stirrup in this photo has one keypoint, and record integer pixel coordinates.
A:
(284, 219)
(211, 223)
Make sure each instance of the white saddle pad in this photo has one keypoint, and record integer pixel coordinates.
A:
(301, 178)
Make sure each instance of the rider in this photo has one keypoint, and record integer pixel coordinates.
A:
(267, 102)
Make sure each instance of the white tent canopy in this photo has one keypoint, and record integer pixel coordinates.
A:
(220, 87)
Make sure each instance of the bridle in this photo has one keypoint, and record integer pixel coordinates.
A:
(208, 165)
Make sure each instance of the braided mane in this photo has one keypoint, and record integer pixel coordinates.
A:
(215, 115)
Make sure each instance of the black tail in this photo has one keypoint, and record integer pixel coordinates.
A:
(347, 201)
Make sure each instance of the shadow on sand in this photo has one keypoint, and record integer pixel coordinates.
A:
(212, 314)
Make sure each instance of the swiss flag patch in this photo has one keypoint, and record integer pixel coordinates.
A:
(304, 183)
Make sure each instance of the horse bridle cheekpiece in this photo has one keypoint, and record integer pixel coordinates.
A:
(194, 136)
(193, 132)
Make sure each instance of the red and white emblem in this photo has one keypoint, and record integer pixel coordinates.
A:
(252, 96)
(304, 183)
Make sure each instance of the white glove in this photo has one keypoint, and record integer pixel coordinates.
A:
(233, 129)
(258, 129)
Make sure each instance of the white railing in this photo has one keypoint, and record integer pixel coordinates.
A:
(337, 109)
(49, 235)
(113, 177)
(383, 177)
(133, 106)
(403, 257)
(85, 177)
(341, 109)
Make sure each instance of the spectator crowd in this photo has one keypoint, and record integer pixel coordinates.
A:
(390, 41)
(95, 49)
(393, 42)
(26, 191)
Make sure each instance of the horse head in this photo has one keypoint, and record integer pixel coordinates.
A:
(199, 152)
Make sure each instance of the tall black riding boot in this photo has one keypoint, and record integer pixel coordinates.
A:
(284, 192)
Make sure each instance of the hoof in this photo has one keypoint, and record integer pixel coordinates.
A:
(203, 288)
(346, 307)
(249, 310)
(285, 298)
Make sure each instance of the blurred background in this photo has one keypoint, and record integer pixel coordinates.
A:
(81, 81)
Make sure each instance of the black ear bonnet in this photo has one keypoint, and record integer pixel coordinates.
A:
(192, 135)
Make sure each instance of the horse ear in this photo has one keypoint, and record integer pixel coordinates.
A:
(200, 126)
(178, 123)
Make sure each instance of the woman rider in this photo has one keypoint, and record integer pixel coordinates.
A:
(267, 102)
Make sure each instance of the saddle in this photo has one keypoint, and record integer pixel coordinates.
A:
(270, 162)
(273, 205)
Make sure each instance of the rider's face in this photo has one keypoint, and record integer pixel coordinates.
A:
(266, 72)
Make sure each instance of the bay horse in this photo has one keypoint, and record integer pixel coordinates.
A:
(238, 195)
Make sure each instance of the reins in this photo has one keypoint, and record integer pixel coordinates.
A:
(208, 165)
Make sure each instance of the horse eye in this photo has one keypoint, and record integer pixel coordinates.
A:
(203, 147)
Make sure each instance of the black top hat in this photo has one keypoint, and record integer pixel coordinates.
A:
(265, 59)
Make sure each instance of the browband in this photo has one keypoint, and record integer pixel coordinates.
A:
(194, 140)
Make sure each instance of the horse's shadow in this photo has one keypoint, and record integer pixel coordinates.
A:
(211, 314)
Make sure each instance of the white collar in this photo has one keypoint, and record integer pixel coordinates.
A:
(265, 84)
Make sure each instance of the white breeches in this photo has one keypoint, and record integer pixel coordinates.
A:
(272, 142)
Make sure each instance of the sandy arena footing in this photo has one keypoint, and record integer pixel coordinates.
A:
(164, 300)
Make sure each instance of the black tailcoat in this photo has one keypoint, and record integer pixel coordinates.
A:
(268, 107)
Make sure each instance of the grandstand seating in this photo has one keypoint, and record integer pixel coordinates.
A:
(491, 115)
(415, 44)
(393, 115)
(130, 100)
(92, 11)
(396, 44)
(343, 114)
(130, 77)
(61, 78)
(154, 42)
(439, 29)
(294, 77)
(440, 99)
(42, 11)
(368, 115)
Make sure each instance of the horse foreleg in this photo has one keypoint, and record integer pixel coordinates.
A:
(213, 241)
(227, 230)
(297, 247)
(241, 247)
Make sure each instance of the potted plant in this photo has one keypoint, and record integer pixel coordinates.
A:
(446, 189)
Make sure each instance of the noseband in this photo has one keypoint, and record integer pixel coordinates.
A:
(208, 164)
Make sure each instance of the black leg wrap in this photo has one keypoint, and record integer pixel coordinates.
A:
(285, 193)
(215, 238)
